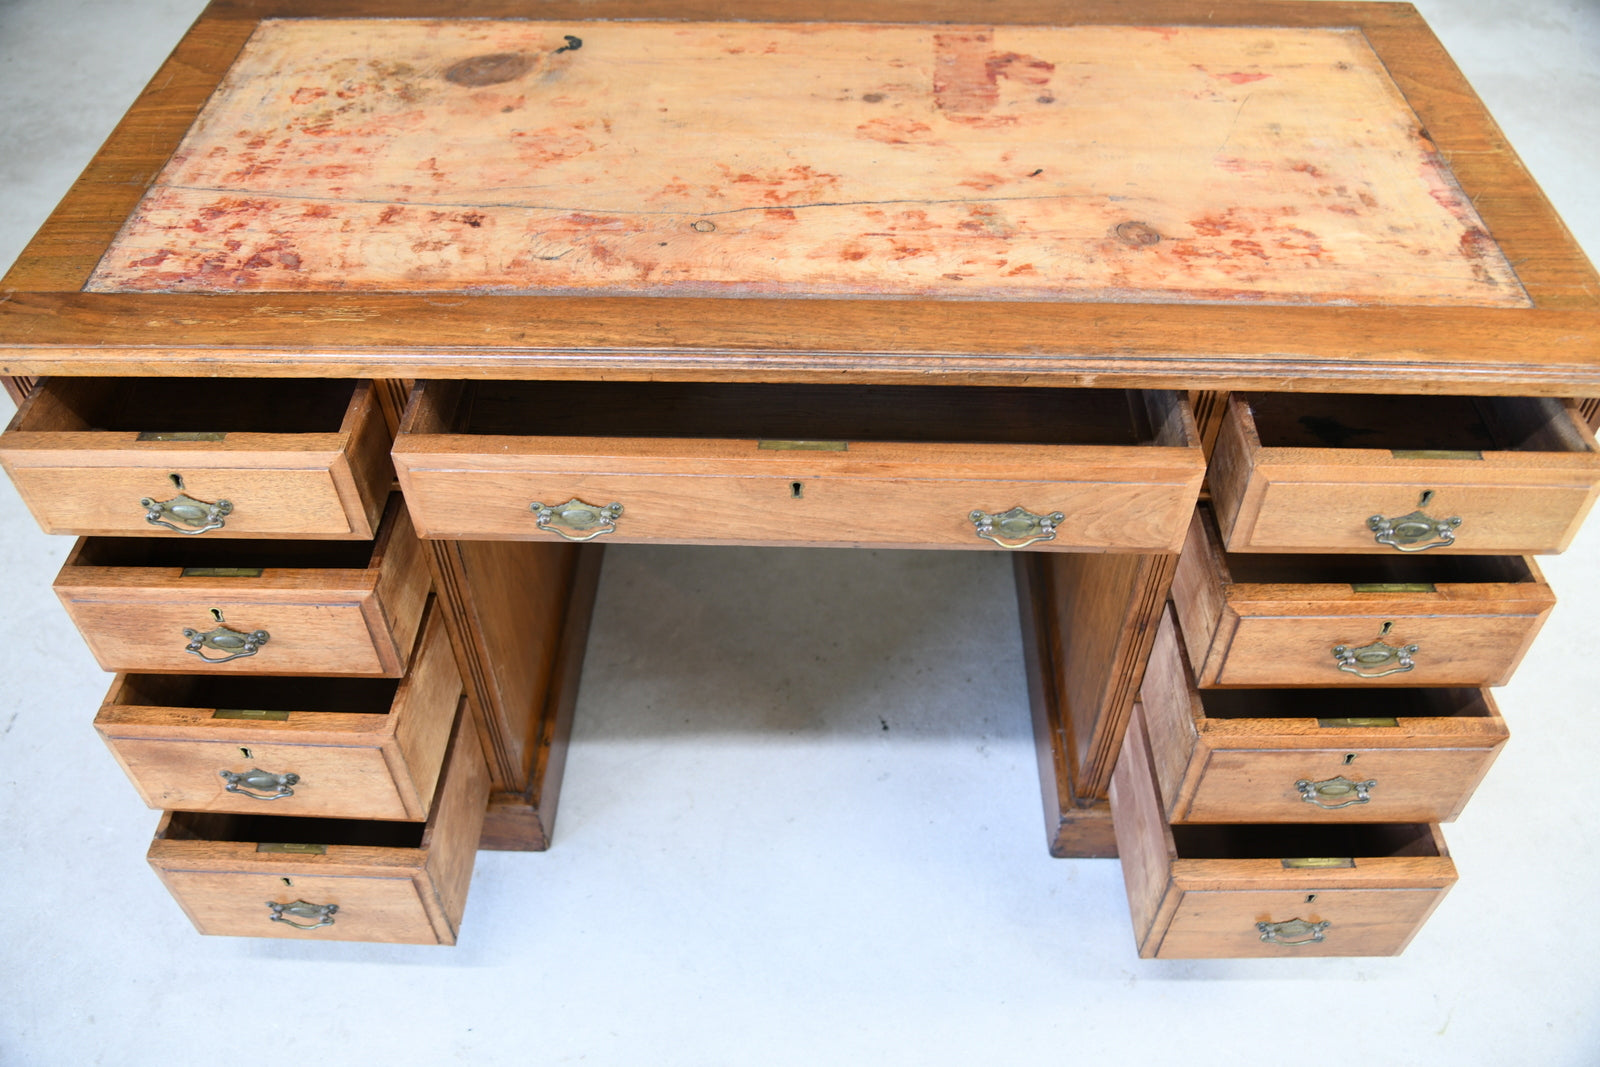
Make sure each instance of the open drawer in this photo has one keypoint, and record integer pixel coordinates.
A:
(1268, 889)
(356, 748)
(1354, 619)
(250, 607)
(1312, 755)
(787, 464)
(332, 879)
(222, 457)
(1311, 472)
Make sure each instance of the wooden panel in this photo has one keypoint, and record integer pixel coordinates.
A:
(1364, 922)
(1202, 896)
(508, 603)
(1074, 827)
(78, 477)
(1470, 620)
(378, 764)
(1221, 756)
(1511, 495)
(525, 819)
(327, 619)
(1104, 614)
(402, 889)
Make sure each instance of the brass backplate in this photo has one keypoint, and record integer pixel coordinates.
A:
(1359, 721)
(1393, 587)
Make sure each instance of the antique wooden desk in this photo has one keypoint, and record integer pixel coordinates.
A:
(771, 273)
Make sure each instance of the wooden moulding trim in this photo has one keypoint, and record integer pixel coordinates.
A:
(1537, 352)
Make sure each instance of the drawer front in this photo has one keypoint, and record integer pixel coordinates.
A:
(110, 498)
(1267, 619)
(1359, 922)
(318, 635)
(371, 904)
(328, 479)
(854, 501)
(1316, 756)
(1328, 785)
(354, 611)
(1524, 487)
(1296, 511)
(379, 764)
(1382, 648)
(405, 893)
(1254, 889)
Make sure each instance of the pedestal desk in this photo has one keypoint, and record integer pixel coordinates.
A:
(1242, 329)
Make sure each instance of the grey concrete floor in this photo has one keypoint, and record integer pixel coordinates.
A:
(800, 824)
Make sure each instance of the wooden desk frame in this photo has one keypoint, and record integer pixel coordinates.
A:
(1094, 611)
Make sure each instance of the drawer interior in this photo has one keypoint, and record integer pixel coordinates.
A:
(1289, 840)
(1384, 703)
(1415, 423)
(803, 412)
(359, 696)
(228, 827)
(201, 554)
(188, 405)
(1414, 569)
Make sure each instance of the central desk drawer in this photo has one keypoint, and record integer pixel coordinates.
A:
(825, 465)
(1356, 619)
(355, 748)
(250, 607)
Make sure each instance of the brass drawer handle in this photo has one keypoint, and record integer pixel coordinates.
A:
(1375, 660)
(585, 520)
(235, 644)
(1332, 794)
(1021, 526)
(281, 785)
(301, 909)
(195, 516)
(1293, 932)
(1414, 532)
